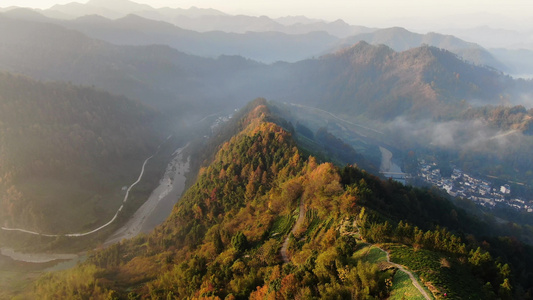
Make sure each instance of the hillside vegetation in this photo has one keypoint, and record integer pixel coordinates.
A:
(65, 153)
(380, 84)
(224, 239)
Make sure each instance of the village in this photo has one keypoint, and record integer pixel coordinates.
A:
(480, 191)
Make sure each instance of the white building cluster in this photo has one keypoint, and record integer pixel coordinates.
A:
(480, 191)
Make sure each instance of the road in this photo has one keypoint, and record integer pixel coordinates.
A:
(94, 230)
(47, 257)
(142, 214)
(301, 218)
(159, 205)
(35, 257)
(148, 216)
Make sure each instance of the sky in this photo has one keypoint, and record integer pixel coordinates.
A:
(509, 14)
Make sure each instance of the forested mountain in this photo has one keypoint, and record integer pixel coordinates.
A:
(157, 75)
(401, 39)
(426, 100)
(421, 82)
(262, 221)
(373, 84)
(65, 153)
(418, 83)
(284, 204)
(515, 118)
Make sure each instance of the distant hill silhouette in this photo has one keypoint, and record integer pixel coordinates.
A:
(401, 39)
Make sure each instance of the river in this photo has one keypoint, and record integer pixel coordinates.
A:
(388, 166)
(160, 203)
(152, 213)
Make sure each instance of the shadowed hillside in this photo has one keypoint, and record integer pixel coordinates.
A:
(66, 151)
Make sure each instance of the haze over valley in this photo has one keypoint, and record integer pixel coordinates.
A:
(203, 153)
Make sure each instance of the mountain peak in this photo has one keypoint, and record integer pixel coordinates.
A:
(94, 18)
(339, 22)
(397, 29)
(25, 14)
(111, 2)
(120, 5)
(362, 50)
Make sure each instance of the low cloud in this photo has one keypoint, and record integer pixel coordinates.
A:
(469, 135)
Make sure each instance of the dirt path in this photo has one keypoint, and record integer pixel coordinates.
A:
(413, 279)
(401, 268)
(301, 218)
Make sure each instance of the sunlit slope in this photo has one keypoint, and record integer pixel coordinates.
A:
(262, 221)
(420, 83)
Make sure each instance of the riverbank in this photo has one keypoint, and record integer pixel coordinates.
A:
(152, 213)
(387, 166)
(37, 258)
(159, 205)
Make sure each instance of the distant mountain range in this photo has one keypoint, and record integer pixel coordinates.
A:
(417, 80)
(379, 82)
(210, 33)
(132, 29)
(496, 38)
(401, 39)
(203, 20)
(158, 75)
(363, 82)
(266, 47)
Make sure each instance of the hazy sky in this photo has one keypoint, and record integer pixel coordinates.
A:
(410, 13)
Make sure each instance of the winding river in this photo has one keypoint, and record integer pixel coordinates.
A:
(387, 166)
(152, 213)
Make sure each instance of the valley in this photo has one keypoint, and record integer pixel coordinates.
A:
(318, 203)
(158, 206)
(94, 230)
(376, 162)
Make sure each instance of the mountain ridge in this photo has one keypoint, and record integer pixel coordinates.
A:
(401, 39)
(336, 76)
(223, 237)
(344, 35)
(425, 77)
